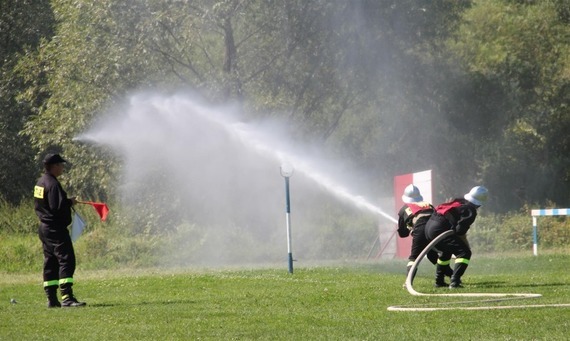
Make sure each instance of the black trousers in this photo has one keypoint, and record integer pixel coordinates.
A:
(59, 256)
(451, 245)
(419, 242)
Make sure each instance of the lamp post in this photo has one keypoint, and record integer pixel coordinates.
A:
(287, 172)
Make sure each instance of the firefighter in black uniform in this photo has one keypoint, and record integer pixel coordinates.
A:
(412, 218)
(456, 215)
(53, 208)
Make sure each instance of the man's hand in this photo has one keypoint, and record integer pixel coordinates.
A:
(403, 232)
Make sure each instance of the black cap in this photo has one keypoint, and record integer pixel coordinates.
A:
(51, 159)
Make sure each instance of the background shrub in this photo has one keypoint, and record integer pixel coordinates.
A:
(118, 243)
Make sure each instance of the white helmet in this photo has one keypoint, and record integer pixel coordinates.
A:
(411, 194)
(477, 195)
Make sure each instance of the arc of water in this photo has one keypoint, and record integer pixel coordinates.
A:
(253, 140)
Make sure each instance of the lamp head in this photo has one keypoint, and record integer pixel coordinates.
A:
(286, 170)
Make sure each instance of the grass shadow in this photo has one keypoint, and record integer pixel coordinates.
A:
(118, 304)
(505, 284)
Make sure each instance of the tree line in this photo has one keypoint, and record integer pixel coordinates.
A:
(478, 91)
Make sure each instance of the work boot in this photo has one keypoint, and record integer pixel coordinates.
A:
(448, 271)
(456, 284)
(67, 298)
(70, 301)
(53, 304)
(51, 293)
(456, 277)
(440, 271)
(440, 284)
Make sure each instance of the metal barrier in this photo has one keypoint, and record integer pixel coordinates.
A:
(541, 213)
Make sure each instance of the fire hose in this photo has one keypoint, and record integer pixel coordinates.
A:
(497, 296)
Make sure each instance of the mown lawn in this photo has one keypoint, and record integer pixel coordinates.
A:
(345, 302)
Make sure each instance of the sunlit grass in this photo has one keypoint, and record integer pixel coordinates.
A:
(315, 303)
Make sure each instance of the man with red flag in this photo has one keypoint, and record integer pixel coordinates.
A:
(53, 208)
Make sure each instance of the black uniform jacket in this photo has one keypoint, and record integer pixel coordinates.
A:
(51, 203)
(413, 214)
(460, 214)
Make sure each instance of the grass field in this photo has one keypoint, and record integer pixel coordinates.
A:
(320, 302)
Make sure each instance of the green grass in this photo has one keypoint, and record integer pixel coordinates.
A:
(325, 302)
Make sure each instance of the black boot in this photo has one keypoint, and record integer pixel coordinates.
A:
(456, 277)
(71, 301)
(448, 271)
(51, 293)
(440, 276)
(68, 300)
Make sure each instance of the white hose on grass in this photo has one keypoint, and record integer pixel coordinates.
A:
(499, 296)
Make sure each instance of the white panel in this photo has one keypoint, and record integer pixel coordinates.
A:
(423, 181)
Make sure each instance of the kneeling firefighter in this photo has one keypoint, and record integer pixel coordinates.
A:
(412, 219)
(457, 215)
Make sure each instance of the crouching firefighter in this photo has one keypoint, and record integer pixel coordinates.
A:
(412, 218)
(53, 208)
(457, 215)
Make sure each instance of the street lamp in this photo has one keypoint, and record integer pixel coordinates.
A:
(287, 172)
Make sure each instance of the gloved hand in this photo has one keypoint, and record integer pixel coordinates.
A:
(403, 232)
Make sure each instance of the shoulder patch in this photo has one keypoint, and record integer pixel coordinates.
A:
(39, 192)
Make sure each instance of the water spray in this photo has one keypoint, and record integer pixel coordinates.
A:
(261, 144)
(176, 146)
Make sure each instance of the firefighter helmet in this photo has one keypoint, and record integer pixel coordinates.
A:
(477, 195)
(411, 194)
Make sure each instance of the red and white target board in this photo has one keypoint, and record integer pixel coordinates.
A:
(422, 180)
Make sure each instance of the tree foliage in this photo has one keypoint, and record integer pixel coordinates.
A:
(523, 48)
(477, 91)
(22, 26)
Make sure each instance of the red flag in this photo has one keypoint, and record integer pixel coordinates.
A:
(100, 207)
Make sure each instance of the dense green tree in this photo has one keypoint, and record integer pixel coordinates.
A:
(22, 26)
(393, 59)
(523, 48)
(94, 58)
(476, 91)
(228, 50)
